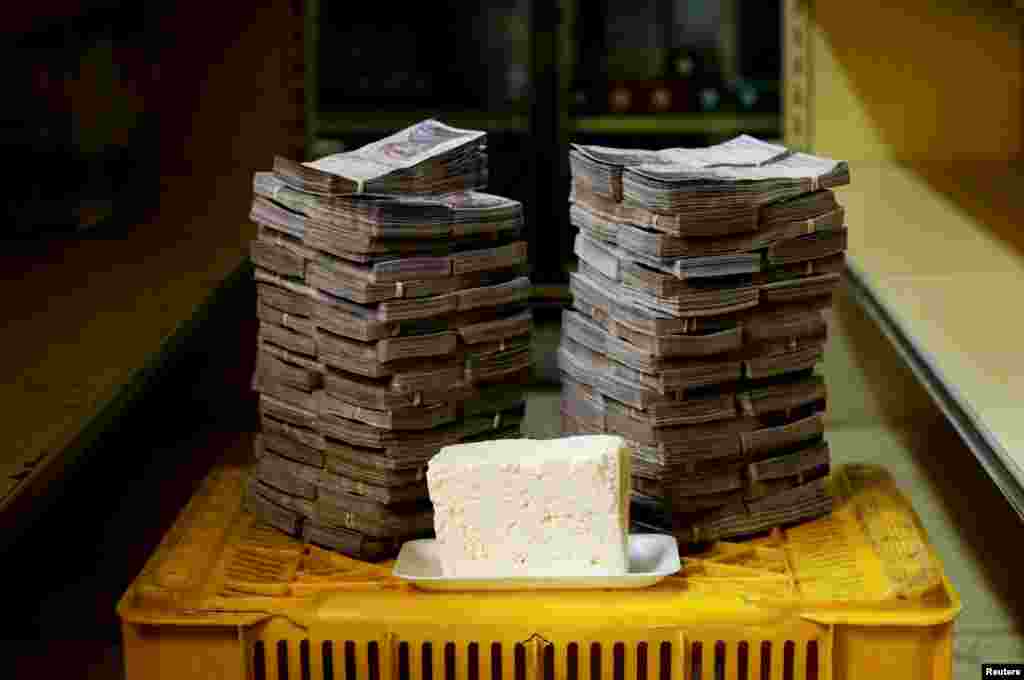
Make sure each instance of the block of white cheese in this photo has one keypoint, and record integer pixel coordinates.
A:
(529, 507)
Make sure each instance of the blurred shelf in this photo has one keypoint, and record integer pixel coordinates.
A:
(93, 323)
(681, 123)
(333, 124)
(936, 256)
(338, 123)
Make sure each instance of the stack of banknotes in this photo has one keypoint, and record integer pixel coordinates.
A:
(392, 298)
(697, 327)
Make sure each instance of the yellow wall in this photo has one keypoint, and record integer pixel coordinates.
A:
(915, 79)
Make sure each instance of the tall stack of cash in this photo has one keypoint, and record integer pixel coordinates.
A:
(697, 327)
(392, 301)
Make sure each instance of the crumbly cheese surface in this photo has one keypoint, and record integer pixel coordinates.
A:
(525, 507)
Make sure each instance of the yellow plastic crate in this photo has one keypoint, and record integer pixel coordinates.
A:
(859, 594)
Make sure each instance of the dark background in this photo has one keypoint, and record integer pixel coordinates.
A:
(99, 96)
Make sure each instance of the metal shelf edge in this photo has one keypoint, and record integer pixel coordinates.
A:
(985, 446)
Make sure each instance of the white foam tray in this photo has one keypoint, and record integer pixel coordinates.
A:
(652, 557)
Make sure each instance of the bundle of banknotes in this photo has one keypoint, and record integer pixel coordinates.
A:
(697, 327)
(392, 299)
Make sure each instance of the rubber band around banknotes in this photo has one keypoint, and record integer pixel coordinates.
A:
(284, 318)
(399, 289)
(810, 225)
(746, 405)
(793, 344)
(496, 424)
(814, 183)
(417, 398)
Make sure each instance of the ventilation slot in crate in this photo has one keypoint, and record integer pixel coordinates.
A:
(591, 661)
(474, 661)
(706, 660)
(326, 660)
(767, 660)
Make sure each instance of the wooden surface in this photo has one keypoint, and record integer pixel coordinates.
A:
(86, 317)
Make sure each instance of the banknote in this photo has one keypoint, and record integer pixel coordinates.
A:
(711, 191)
(428, 157)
